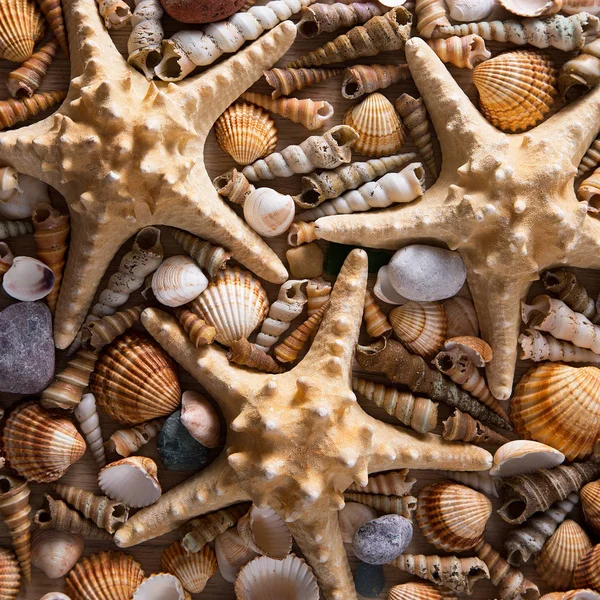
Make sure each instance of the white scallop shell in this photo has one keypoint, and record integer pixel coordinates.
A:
(469, 11)
(232, 554)
(200, 418)
(28, 279)
(162, 586)
(29, 193)
(178, 280)
(268, 212)
(524, 456)
(352, 517)
(265, 532)
(55, 552)
(383, 288)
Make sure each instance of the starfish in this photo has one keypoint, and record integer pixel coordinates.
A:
(295, 441)
(126, 153)
(506, 203)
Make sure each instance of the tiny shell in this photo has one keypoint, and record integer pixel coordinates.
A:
(28, 279)
(6, 258)
(131, 480)
(523, 456)
(125, 442)
(162, 586)
(383, 288)
(55, 552)
(590, 503)
(352, 517)
(10, 576)
(587, 572)
(192, 569)
(232, 554)
(532, 8)
(268, 212)
(177, 281)
(265, 532)
(420, 326)
(27, 196)
(469, 11)
(21, 26)
(200, 419)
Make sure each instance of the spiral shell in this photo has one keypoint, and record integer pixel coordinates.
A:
(265, 532)
(587, 572)
(323, 18)
(463, 427)
(421, 326)
(590, 503)
(317, 293)
(25, 80)
(21, 26)
(365, 79)
(55, 552)
(268, 212)
(234, 186)
(193, 570)
(392, 483)
(292, 346)
(209, 257)
(13, 111)
(199, 332)
(246, 354)
(464, 52)
(97, 334)
(89, 423)
(286, 81)
(178, 280)
(376, 322)
(127, 441)
(301, 233)
(480, 480)
(430, 15)
(10, 576)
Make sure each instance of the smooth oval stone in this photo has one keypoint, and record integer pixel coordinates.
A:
(369, 580)
(426, 273)
(178, 450)
(26, 348)
(382, 540)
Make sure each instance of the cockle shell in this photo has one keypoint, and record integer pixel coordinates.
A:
(352, 517)
(516, 89)
(246, 132)
(135, 380)
(267, 579)
(192, 569)
(265, 532)
(469, 11)
(162, 586)
(21, 26)
(28, 279)
(232, 554)
(590, 503)
(462, 317)
(587, 572)
(27, 196)
(558, 405)
(524, 456)
(268, 212)
(234, 303)
(132, 480)
(572, 595)
(421, 326)
(55, 552)
(377, 122)
(38, 444)
(178, 281)
(452, 516)
(532, 8)
(10, 576)
(572, 7)
(200, 419)
(416, 591)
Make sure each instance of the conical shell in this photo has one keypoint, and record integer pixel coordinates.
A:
(21, 26)
(234, 303)
(246, 132)
(377, 122)
(416, 591)
(559, 405)
(104, 576)
(462, 318)
(352, 517)
(135, 380)
(590, 503)
(516, 89)
(131, 480)
(198, 330)
(97, 334)
(451, 516)
(52, 10)
(177, 281)
(161, 586)
(246, 354)
(421, 326)
(265, 532)
(25, 80)
(232, 554)
(532, 8)
(193, 570)
(39, 445)
(375, 320)
(55, 552)
(13, 111)
(89, 423)
(463, 427)
(524, 456)
(399, 505)
(561, 553)
(208, 256)
(15, 511)
(587, 572)
(293, 344)
(10, 577)
(392, 483)
(200, 419)
(125, 442)
(317, 292)
(286, 81)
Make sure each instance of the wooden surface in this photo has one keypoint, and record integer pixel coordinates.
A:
(83, 474)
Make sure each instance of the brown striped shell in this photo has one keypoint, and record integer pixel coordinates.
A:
(587, 572)
(21, 26)
(10, 576)
(590, 503)
(192, 569)
(415, 591)
(420, 326)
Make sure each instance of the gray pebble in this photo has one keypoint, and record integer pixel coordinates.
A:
(381, 540)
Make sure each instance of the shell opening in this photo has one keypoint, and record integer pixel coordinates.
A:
(43, 516)
(148, 238)
(344, 136)
(309, 29)
(402, 16)
(310, 197)
(530, 594)
(119, 510)
(293, 239)
(326, 111)
(41, 214)
(5, 485)
(351, 89)
(514, 510)
(222, 181)
(4, 250)
(445, 362)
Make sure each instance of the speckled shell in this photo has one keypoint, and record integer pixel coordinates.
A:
(10, 576)
(55, 552)
(265, 532)
(38, 444)
(415, 591)
(451, 516)
(532, 8)
(177, 281)
(21, 26)
(352, 517)
(421, 326)
(587, 572)
(516, 89)
(559, 405)
(377, 122)
(590, 503)
(135, 380)
(246, 132)
(234, 303)
(193, 570)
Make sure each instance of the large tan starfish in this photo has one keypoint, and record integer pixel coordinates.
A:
(295, 441)
(127, 153)
(506, 203)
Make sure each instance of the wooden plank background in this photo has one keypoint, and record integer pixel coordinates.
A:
(83, 474)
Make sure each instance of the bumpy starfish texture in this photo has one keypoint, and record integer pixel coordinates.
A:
(506, 203)
(296, 440)
(127, 153)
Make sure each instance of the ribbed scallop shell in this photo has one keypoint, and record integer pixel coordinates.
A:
(452, 516)
(420, 326)
(40, 445)
(415, 591)
(10, 575)
(516, 89)
(246, 132)
(587, 572)
(193, 569)
(462, 317)
(161, 586)
(104, 576)
(21, 26)
(377, 122)
(234, 303)
(590, 503)
(135, 380)
(232, 554)
(265, 532)
(559, 405)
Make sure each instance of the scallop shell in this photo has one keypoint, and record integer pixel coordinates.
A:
(177, 281)
(415, 591)
(469, 11)
(377, 122)
(135, 381)
(590, 503)
(452, 516)
(234, 303)
(268, 212)
(383, 288)
(232, 554)
(516, 89)
(266, 579)
(10, 576)
(265, 532)
(523, 456)
(40, 445)
(131, 480)
(193, 570)
(28, 279)
(21, 26)
(246, 132)
(421, 326)
(20, 205)
(587, 572)
(162, 586)
(532, 8)
(352, 517)
(55, 552)
(462, 317)
(559, 405)
(107, 575)
(200, 419)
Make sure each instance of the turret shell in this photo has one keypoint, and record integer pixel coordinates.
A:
(10, 576)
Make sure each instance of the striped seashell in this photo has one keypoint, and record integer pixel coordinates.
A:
(463, 427)
(301, 233)
(392, 483)
(376, 322)
(21, 26)
(193, 570)
(25, 80)
(198, 330)
(462, 317)
(268, 212)
(246, 354)
(430, 14)
(97, 334)
(10, 576)
(587, 572)
(323, 18)
(421, 326)
(52, 10)
(232, 554)
(293, 344)
(209, 257)
(13, 110)
(590, 503)
(234, 186)
(177, 281)
(317, 293)
(89, 423)
(564, 285)
(572, 7)
(417, 591)
(572, 595)
(265, 532)
(399, 505)
(469, 10)
(480, 480)
(464, 52)
(365, 79)
(127, 441)
(10, 229)
(286, 81)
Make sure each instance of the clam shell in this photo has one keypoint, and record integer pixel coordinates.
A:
(420, 326)
(177, 281)
(590, 503)
(462, 317)
(268, 212)
(452, 516)
(532, 8)
(587, 572)
(55, 596)
(415, 591)
(200, 419)
(40, 445)
(107, 575)
(21, 26)
(516, 89)
(232, 554)
(135, 381)
(132, 480)
(265, 532)
(266, 579)
(27, 196)
(523, 456)
(10, 576)
(28, 279)
(193, 570)
(162, 586)
(559, 405)
(383, 288)
(377, 122)
(55, 552)
(246, 132)
(469, 11)
(234, 303)
(352, 517)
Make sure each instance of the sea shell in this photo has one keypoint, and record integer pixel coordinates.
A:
(10, 576)
(572, 7)
(464, 52)
(192, 569)
(39, 445)
(107, 575)
(162, 586)
(421, 326)
(200, 419)
(15, 110)
(462, 317)
(234, 186)
(234, 303)
(265, 532)
(451, 516)
(392, 483)
(587, 572)
(246, 132)
(55, 552)
(430, 14)
(27, 196)
(301, 233)
(198, 330)
(364, 79)
(232, 554)
(318, 292)
(9, 184)
(21, 26)
(131, 480)
(558, 405)
(55, 596)
(209, 257)
(25, 80)
(516, 89)
(293, 344)
(377, 122)
(590, 503)
(415, 591)
(135, 380)
(97, 334)
(28, 279)
(376, 322)
(286, 81)
(480, 480)
(6, 259)
(125, 442)
(523, 456)
(244, 353)
(268, 212)
(266, 579)
(463, 427)
(383, 288)
(469, 11)
(178, 281)
(532, 8)
(15, 510)
(352, 517)
(400, 505)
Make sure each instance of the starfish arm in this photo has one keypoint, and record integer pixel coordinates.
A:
(586, 252)
(212, 489)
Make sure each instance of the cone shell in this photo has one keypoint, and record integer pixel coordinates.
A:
(135, 380)
(234, 303)
(265, 532)
(516, 89)
(162, 586)
(590, 503)
(415, 591)
(587, 572)
(524, 456)
(39, 445)
(232, 554)
(131, 480)
(559, 405)
(352, 517)
(177, 281)
(21, 26)
(246, 132)
(10, 576)
(193, 570)
(377, 122)
(421, 326)
(55, 552)
(451, 516)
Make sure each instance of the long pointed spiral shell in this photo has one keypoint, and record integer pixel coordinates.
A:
(591, 158)
(209, 257)
(52, 10)
(10, 229)
(145, 39)
(203, 530)
(463, 52)
(246, 354)
(286, 81)
(317, 292)
(89, 423)
(392, 483)
(25, 80)
(538, 347)
(398, 505)
(323, 18)
(116, 13)
(463, 427)
(290, 348)
(376, 322)
(198, 330)
(127, 441)
(13, 111)
(365, 79)
(564, 284)
(6, 259)
(430, 14)
(97, 334)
